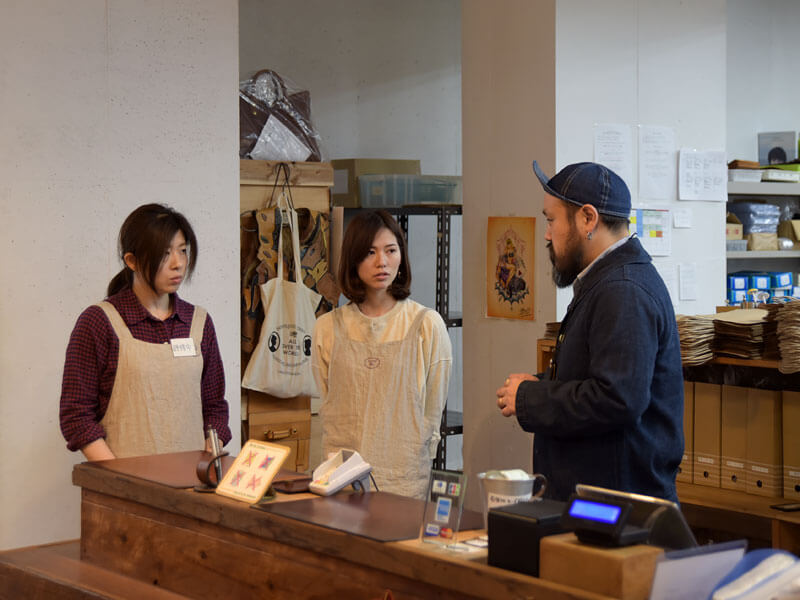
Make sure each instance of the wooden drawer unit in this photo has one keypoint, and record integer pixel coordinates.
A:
(284, 421)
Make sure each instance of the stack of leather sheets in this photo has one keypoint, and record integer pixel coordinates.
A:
(789, 337)
(551, 330)
(742, 333)
(749, 333)
(697, 338)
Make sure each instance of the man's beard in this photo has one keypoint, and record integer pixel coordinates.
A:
(571, 263)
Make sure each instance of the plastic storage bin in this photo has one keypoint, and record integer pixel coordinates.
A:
(378, 191)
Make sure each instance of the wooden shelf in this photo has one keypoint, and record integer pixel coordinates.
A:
(734, 501)
(737, 514)
(745, 362)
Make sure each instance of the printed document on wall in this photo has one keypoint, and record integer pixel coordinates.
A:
(613, 147)
(667, 271)
(657, 160)
(687, 281)
(702, 175)
(653, 228)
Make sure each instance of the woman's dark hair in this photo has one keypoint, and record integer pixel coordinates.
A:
(357, 242)
(147, 234)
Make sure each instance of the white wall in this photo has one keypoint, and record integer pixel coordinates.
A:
(106, 104)
(763, 87)
(649, 62)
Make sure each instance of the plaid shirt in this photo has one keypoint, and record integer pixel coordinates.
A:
(91, 366)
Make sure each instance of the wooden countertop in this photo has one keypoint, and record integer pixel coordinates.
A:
(114, 501)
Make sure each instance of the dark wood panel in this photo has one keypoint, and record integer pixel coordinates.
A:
(112, 503)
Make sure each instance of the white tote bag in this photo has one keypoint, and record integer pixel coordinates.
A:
(281, 362)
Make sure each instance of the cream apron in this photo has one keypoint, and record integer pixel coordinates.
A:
(374, 407)
(155, 405)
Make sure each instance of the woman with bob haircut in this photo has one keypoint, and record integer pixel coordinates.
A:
(143, 373)
(382, 361)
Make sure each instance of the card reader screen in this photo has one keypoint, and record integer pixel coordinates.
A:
(594, 511)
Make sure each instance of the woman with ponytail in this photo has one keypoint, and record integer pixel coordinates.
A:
(143, 372)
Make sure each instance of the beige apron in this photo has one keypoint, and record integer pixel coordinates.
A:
(374, 407)
(155, 405)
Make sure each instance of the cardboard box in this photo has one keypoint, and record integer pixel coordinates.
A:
(781, 279)
(707, 434)
(310, 184)
(737, 282)
(733, 428)
(734, 230)
(759, 281)
(764, 445)
(347, 171)
(791, 445)
(762, 241)
(625, 572)
(790, 230)
(686, 467)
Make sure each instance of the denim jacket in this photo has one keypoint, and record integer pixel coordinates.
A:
(609, 410)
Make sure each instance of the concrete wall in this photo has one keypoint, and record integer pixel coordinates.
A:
(106, 105)
(509, 105)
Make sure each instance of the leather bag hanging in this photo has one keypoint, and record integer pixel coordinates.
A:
(280, 365)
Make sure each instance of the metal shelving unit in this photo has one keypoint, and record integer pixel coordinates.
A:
(452, 421)
(763, 260)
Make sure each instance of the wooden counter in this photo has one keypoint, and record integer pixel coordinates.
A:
(740, 515)
(207, 546)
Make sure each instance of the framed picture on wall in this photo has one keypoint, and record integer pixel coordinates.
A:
(510, 267)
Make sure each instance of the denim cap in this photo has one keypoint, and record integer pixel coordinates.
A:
(589, 183)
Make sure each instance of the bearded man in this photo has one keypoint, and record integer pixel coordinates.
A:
(609, 409)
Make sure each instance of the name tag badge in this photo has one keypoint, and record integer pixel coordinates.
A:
(183, 347)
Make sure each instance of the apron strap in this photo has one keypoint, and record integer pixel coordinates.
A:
(117, 323)
(198, 325)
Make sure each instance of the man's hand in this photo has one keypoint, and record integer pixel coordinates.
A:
(507, 393)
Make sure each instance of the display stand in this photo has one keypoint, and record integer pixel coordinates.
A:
(444, 501)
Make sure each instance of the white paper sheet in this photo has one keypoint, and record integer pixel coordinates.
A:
(657, 162)
(613, 147)
(654, 228)
(682, 218)
(687, 281)
(667, 271)
(702, 175)
(693, 574)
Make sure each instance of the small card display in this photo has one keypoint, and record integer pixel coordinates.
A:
(442, 516)
(252, 471)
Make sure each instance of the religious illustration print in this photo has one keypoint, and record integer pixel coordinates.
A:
(509, 267)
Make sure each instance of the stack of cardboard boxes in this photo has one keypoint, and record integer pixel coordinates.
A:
(742, 439)
(776, 284)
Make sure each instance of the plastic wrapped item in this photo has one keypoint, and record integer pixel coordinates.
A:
(756, 217)
(275, 120)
